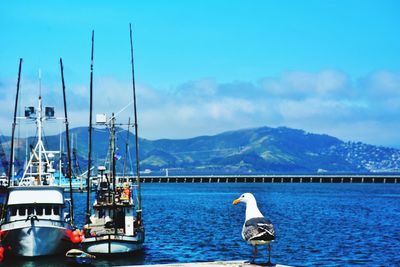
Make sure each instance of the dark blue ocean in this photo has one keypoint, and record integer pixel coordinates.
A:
(315, 224)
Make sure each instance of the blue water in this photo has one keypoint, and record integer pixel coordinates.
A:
(315, 224)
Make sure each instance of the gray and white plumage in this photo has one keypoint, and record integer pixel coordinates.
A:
(256, 230)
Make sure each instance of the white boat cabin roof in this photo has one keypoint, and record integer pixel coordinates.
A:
(20, 195)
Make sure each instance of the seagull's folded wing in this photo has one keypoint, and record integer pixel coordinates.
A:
(258, 229)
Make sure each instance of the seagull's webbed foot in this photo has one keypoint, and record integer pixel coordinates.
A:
(253, 259)
(269, 255)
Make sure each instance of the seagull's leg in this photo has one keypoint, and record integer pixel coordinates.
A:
(255, 251)
(269, 255)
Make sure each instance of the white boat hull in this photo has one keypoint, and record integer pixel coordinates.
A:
(41, 238)
(113, 244)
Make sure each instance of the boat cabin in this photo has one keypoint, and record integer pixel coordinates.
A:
(48, 204)
(110, 216)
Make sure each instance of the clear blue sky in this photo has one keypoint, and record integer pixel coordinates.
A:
(203, 67)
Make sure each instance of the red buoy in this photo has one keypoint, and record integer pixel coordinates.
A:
(75, 236)
(1, 254)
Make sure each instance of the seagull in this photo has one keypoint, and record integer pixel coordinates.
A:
(256, 229)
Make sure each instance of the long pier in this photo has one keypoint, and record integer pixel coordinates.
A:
(273, 179)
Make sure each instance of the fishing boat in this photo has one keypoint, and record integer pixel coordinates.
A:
(35, 223)
(38, 218)
(115, 225)
(78, 183)
(77, 179)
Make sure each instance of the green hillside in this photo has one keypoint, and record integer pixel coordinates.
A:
(257, 150)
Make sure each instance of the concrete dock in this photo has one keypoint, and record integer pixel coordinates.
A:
(212, 264)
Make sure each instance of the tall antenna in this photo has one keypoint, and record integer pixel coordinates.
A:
(40, 83)
(90, 135)
(69, 172)
(139, 208)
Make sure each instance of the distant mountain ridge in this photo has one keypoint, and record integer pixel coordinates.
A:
(257, 150)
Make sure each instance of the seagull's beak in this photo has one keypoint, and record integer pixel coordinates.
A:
(236, 201)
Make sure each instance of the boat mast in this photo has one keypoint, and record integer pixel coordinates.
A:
(139, 208)
(90, 135)
(69, 172)
(11, 167)
(113, 170)
(126, 147)
(11, 163)
(39, 125)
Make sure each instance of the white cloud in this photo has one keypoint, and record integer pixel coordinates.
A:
(197, 89)
(323, 102)
(227, 109)
(298, 84)
(382, 84)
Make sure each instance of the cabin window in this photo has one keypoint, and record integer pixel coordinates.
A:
(13, 211)
(56, 211)
(101, 213)
(31, 210)
(47, 210)
(21, 211)
(39, 211)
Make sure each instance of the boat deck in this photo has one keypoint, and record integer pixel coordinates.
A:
(97, 226)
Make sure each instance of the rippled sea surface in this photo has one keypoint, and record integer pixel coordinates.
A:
(315, 224)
